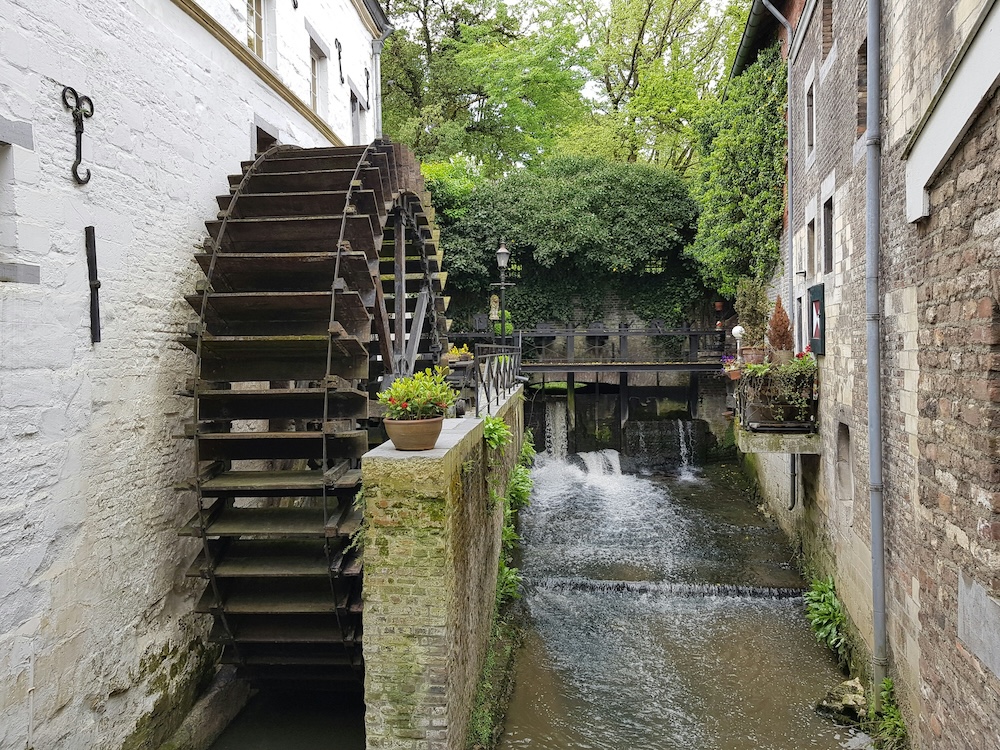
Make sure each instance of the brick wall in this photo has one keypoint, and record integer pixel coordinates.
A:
(957, 281)
(432, 544)
(940, 333)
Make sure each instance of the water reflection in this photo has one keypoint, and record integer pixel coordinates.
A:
(664, 615)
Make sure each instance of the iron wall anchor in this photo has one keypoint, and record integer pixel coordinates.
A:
(81, 107)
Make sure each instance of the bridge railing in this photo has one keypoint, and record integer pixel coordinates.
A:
(497, 369)
(601, 344)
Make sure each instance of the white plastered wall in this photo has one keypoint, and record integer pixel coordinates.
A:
(94, 606)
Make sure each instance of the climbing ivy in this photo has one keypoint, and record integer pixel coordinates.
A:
(740, 177)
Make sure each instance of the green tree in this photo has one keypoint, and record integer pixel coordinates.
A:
(741, 177)
(472, 78)
(654, 64)
(580, 229)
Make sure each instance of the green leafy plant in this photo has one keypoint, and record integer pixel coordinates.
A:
(496, 432)
(887, 726)
(519, 487)
(791, 384)
(423, 395)
(508, 583)
(753, 307)
(826, 616)
(527, 455)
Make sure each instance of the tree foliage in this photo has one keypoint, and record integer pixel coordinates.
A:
(741, 176)
(578, 229)
(654, 64)
(472, 78)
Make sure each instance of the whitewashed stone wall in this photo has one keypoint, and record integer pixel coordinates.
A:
(95, 613)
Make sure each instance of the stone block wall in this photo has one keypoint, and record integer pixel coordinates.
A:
(956, 510)
(940, 339)
(432, 545)
(96, 623)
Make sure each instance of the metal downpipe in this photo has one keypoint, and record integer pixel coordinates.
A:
(873, 241)
(789, 265)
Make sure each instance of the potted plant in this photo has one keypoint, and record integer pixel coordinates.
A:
(779, 396)
(753, 308)
(731, 367)
(415, 407)
(779, 334)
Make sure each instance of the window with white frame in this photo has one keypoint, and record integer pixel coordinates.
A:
(256, 27)
(317, 77)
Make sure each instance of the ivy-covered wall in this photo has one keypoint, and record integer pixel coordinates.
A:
(432, 543)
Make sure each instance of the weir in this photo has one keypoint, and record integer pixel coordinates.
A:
(664, 612)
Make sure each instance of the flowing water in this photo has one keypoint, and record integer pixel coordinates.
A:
(663, 614)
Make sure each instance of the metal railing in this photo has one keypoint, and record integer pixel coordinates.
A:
(497, 372)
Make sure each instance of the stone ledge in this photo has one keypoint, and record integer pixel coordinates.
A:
(778, 442)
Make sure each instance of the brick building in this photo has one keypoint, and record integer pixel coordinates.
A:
(99, 643)
(938, 290)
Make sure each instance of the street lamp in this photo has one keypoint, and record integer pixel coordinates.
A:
(503, 257)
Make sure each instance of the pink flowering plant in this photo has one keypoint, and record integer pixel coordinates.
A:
(423, 395)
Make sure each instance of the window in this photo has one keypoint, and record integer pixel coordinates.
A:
(845, 473)
(810, 265)
(810, 119)
(828, 235)
(862, 88)
(255, 27)
(355, 120)
(827, 27)
(317, 77)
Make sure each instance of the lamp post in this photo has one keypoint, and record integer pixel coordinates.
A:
(503, 257)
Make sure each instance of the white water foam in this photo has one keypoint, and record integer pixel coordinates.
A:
(556, 430)
(685, 440)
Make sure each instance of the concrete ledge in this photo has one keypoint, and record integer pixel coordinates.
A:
(13, 133)
(213, 712)
(778, 442)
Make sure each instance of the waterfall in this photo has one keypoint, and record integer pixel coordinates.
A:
(685, 445)
(602, 463)
(556, 429)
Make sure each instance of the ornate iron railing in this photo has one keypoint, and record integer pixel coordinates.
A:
(770, 403)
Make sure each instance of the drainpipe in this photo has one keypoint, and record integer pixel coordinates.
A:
(789, 266)
(873, 241)
(377, 45)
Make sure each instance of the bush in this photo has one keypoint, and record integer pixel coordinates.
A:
(779, 329)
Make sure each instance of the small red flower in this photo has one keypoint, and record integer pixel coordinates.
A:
(404, 405)
(809, 347)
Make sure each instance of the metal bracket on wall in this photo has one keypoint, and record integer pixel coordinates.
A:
(340, 62)
(81, 106)
(95, 309)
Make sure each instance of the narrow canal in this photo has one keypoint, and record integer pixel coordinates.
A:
(664, 613)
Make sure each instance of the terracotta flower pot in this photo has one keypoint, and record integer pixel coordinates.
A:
(781, 356)
(752, 355)
(734, 374)
(413, 434)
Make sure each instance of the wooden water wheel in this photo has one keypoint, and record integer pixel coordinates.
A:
(322, 283)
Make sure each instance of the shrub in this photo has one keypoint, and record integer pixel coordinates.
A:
(753, 308)
(779, 328)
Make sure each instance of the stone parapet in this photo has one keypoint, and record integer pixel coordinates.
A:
(432, 543)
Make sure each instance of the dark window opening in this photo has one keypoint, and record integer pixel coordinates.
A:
(862, 88)
(827, 27)
(828, 235)
(810, 119)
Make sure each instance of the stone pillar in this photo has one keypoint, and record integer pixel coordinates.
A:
(432, 543)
